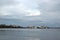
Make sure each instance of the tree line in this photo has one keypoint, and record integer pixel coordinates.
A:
(9, 26)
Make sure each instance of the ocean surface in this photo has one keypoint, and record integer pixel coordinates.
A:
(29, 34)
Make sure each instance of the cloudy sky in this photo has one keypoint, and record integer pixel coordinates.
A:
(30, 12)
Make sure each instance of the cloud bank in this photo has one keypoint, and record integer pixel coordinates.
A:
(17, 8)
(34, 12)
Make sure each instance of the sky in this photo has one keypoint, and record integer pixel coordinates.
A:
(30, 12)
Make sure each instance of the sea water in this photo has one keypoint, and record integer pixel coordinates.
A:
(29, 34)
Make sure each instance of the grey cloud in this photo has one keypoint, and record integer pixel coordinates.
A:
(7, 2)
(50, 13)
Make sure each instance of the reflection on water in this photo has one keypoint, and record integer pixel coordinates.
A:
(30, 34)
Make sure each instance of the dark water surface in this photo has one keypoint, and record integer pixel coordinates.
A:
(30, 34)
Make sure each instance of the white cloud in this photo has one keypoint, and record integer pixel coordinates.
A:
(18, 10)
(33, 13)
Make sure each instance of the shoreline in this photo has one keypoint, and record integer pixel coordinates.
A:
(23, 29)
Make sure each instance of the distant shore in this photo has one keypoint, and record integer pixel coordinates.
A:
(28, 27)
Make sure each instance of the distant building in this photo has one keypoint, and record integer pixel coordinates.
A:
(42, 27)
(31, 27)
